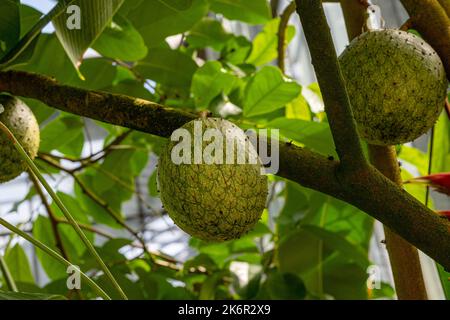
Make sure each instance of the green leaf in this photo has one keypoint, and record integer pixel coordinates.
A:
(298, 109)
(121, 41)
(18, 264)
(208, 33)
(99, 73)
(95, 16)
(336, 242)
(9, 25)
(209, 81)
(344, 280)
(60, 132)
(254, 11)
(268, 91)
(415, 157)
(58, 66)
(308, 247)
(314, 135)
(168, 67)
(42, 231)
(285, 286)
(152, 184)
(157, 20)
(29, 296)
(265, 44)
(236, 50)
(113, 197)
(28, 18)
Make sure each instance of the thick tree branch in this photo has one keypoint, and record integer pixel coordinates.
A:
(404, 258)
(116, 109)
(366, 189)
(446, 5)
(331, 81)
(431, 20)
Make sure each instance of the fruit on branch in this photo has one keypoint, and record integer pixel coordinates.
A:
(396, 83)
(208, 185)
(21, 122)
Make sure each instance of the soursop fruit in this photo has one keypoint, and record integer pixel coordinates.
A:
(396, 83)
(21, 122)
(212, 200)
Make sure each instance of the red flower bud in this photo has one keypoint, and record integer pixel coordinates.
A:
(439, 181)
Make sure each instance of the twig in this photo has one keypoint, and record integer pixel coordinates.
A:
(284, 20)
(331, 81)
(115, 215)
(408, 24)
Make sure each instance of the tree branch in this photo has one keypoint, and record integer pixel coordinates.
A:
(366, 189)
(431, 20)
(404, 258)
(284, 20)
(331, 81)
(446, 5)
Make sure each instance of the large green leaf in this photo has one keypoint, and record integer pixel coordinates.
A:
(339, 243)
(42, 231)
(314, 135)
(18, 264)
(268, 91)
(49, 59)
(159, 19)
(285, 286)
(9, 25)
(168, 67)
(28, 18)
(250, 11)
(236, 50)
(209, 81)
(64, 130)
(121, 41)
(265, 44)
(208, 33)
(95, 16)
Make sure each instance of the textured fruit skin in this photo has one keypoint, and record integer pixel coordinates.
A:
(213, 202)
(396, 83)
(21, 122)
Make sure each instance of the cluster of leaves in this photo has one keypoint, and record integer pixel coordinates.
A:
(308, 245)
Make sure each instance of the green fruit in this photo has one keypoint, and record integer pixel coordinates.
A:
(21, 122)
(213, 202)
(396, 83)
